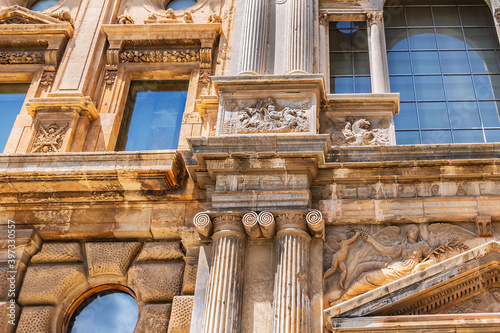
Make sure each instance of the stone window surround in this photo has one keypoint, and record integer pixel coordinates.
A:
(380, 83)
(122, 74)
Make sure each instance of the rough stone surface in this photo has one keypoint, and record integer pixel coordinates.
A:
(58, 253)
(5, 326)
(110, 257)
(153, 318)
(189, 280)
(180, 319)
(36, 319)
(160, 251)
(156, 282)
(49, 284)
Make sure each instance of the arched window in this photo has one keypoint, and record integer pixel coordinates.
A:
(43, 4)
(110, 310)
(443, 59)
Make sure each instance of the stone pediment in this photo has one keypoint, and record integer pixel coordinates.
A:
(444, 288)
(21, 15)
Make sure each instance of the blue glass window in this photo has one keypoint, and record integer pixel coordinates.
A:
(443, 59)
(43, 4)
(153, 115)
(110, 311)
(12, 97)
(349, 63)
(180, 4)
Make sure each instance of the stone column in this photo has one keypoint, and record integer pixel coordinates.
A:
(253, 57)
(299, 35)
(224, 292)
(378, 54)
(292, 306)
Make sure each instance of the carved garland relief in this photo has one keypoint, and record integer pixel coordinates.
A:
(160, 56)
(267, 117)
(362, 261)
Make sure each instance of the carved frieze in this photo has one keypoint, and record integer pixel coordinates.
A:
(362, 261)
(358, 132)
(49, 139)
(267, 117)
(160, 56)
(22, 57)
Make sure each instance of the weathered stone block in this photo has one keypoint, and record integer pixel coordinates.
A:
(189, 281)
(180, 319)
(110, 257)
(161, 251)
(36, 319)
(49, 284)
(58, 253)
(8, 317)
(154, 318)
(156, 282)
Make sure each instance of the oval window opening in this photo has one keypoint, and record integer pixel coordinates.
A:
(43, 4)
(110, 311)
(180, 4)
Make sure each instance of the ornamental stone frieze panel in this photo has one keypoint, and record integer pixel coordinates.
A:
(360, 259)
(360, 121)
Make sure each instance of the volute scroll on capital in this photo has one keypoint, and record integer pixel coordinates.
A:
(374, 17)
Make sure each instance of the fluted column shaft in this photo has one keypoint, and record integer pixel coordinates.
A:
(223, 306)
(253, 58)
(378, 53)
(299, 35)
(292, 306)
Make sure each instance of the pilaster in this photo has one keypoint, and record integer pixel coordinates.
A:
(255, 39)
(299, 35)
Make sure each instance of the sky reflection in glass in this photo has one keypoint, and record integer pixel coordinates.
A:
(109, 311)
(12, 97)
(43, 4)
(443, 59)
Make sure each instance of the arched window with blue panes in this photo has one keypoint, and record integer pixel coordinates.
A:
(443, 58)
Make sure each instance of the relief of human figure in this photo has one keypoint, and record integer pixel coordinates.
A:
(338, 260)
(413, 254)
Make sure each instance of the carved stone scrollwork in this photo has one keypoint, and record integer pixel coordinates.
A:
(214, 18)
(64, 16)
(251, 224)
(267, 117)
(14, 20)
(187, 17)
(110, 77)
(20, 57)
(49, 139)
(125, 19)
(359, 133)
(483, 224)
(170, 15)
(374, 17)
(160, 56)
(203, 224)
(323, 18)
(47, 78)
(267, 224)
(206, 58)
(205, 82)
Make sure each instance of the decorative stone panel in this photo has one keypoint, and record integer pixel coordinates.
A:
(156, 282)
(153, 318)
(161, 251)
(58, 253)
(36, 319)
(110, 257)
(49, 284)
(180, 319)
(189, 281)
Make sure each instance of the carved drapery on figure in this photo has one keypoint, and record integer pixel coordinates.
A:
(49, 139)
(268, 117)
(363, 262)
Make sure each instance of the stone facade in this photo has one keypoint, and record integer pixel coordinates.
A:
(284, 209)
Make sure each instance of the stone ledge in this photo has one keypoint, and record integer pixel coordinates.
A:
(87, 172)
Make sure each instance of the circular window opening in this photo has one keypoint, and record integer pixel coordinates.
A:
(111, 310)
(43, 4)
(180, 4)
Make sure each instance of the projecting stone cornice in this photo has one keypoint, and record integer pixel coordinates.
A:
(91, 172)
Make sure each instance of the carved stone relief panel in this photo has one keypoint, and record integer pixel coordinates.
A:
(357, 130)
(267, 115)
(359, 259)
(49, 138)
